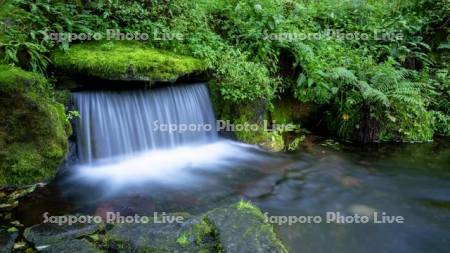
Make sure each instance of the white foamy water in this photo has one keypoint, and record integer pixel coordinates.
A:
(175, 165)
(118, 148)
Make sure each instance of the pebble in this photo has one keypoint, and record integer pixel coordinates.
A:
(19, 245)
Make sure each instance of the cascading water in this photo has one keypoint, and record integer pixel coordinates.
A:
(121, 123)
(143, 171)
(163, 137)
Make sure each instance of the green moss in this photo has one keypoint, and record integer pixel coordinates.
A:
(242, 204)
(243, 226)
(201, 230)
(270, 140)
(183, 240)
(125, 60)
(33, 130)
(247, 206)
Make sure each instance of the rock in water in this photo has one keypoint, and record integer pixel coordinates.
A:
(241, 228)
(79, 246)
(237, 228)
(7, 239)
(49, 232)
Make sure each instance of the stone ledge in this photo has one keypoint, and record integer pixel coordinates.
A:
(125, 60)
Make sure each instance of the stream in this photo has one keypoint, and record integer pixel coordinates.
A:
(411, 181)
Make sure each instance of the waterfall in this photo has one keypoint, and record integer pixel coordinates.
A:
(116, 123)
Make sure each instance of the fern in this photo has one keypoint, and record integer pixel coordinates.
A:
(372, 95)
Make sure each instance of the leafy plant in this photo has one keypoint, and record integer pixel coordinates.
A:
(374, 89)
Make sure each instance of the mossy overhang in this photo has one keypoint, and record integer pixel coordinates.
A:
(125, 60)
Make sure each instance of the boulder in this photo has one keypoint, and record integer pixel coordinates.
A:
(33, 129)
(192, 235)
(51, 233)
(241, 228)
(236, 228)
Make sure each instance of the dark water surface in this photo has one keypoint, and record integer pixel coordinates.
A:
(408, 180)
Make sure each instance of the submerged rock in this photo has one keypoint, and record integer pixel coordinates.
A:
(69, 246)
(362, 210)
(263, 187)
(125, 60)
(48, 234)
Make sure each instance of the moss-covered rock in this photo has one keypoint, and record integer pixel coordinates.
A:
(255, 114)
(193, 235)
(33, 129)
(125, 60)
(236, 228)
(288, 110)
(241, 228)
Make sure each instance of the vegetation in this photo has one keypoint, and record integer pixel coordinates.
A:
(378, 69)
(33, 130)
(124, 60)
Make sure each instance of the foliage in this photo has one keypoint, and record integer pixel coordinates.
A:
(18, 45)
(382, 87)
(124, 60)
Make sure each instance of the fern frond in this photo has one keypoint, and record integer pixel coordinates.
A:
(372, 95)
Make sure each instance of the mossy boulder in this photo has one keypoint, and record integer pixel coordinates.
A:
(255, 113)
(241, 228)
(193, 235)
(125, 60)
(33, 129)
(236, 228)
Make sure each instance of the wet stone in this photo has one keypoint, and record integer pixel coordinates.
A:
(263, 187)
(242, 229)
(79, 246)
(7, 239)
(48, 233)
(152, 237)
